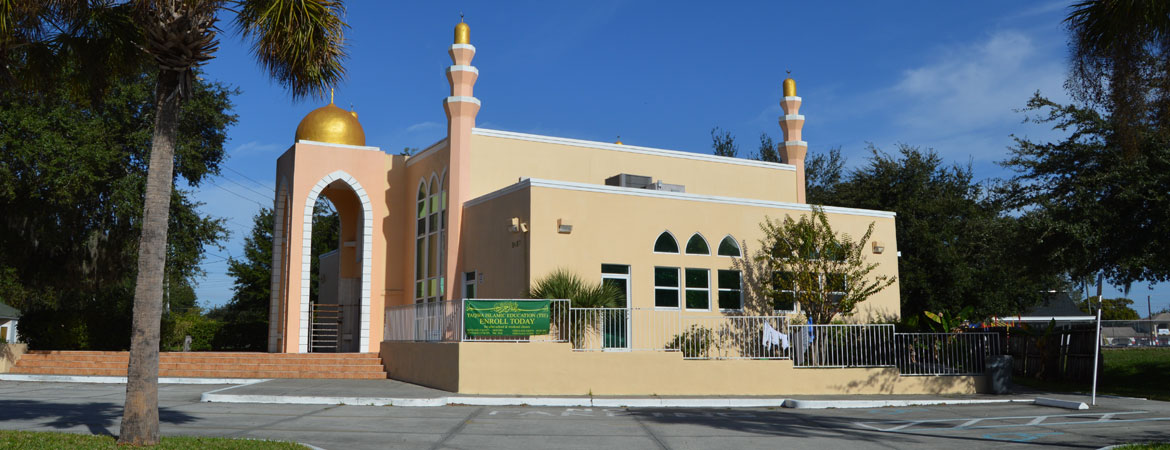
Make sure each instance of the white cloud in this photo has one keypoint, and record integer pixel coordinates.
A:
(254, 147)
(967, 97)
(422, 126)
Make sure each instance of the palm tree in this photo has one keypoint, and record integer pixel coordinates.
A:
(297, 42)
(1120, 53)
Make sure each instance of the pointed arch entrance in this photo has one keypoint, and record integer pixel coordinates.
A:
(354, 260)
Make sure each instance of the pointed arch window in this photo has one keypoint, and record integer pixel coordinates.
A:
(696, 245)
(666, 243)
(729, 247)
(430, 240)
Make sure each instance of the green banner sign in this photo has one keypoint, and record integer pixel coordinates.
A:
(506, 317)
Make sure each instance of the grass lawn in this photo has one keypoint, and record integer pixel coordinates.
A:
(1130, 372)
(1150, 446)
(51, 440)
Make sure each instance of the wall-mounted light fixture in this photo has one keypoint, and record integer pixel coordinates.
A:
(515, 225)
(564, 227)
(878, 248)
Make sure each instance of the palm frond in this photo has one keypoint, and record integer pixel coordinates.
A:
(300, 43)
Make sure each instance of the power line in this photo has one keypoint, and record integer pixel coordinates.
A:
(235, 193)
(249, 178)
(237, 183)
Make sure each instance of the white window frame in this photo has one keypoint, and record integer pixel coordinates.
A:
(738, 248)
(721, 289)
(473, 283)
(672, 236)
(687, 289)
(702, 238)
(677, 289)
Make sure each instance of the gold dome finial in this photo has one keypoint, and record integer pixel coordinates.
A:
(332, 125)
(619, 140)
(462, 32)
(789, 86)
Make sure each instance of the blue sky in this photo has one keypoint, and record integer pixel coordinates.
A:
(944, 75)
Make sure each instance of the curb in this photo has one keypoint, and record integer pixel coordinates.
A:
(847, 404)
(1058, 403)
(122, 380)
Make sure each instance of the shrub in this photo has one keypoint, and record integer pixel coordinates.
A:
(693, 342)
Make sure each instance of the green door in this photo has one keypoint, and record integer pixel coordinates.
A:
(616, 321)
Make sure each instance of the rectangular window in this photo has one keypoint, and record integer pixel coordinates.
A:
(666, 287)
(784, 297)
(469, 284)
(835, 282)
(615, 268)
(730, 290)
(699, 289)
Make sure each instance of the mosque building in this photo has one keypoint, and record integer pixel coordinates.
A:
(484, 213)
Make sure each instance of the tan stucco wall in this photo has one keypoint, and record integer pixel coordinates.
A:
(498, 254)
(498, 162)
(9, 354)
(621, 229)
(554, 369)
(432, 364)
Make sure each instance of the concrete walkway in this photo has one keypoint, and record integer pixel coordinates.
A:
(398, 393)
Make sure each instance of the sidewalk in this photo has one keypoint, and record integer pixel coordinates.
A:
(398, 393)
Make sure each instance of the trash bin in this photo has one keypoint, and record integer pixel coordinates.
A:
(999, 374)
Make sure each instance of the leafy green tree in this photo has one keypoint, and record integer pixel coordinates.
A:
(957, 246)
(1093, 207)
(1121, 64)
(723, 143)
(245, 316)
(767, 150)
(828, 273)
(1111, 308)
(298, 42)
(72, 176)
(822, 173)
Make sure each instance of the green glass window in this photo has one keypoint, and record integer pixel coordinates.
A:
(698, 289)
(784, 297)
(615, 268)
(666, 287)
(666, 243)
(696, 245)
(730, 290)
(729, 247)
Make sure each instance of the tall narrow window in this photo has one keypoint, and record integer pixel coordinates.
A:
(420, 247)
(469, 284)
(784, 287)
(730, 290)
(666, 287)
(666, 243)
(698, 289)
(729, 247)
(696, 245)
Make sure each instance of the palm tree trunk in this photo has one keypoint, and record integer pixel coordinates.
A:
(140, 415)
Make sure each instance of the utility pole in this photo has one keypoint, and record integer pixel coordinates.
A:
(1149, 311)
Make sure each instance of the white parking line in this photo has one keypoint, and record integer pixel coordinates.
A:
(931, 425)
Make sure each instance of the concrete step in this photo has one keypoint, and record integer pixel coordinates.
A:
(195, 373)
(71, 365)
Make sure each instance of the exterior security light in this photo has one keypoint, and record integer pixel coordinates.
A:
(564, 227)
(878, 248)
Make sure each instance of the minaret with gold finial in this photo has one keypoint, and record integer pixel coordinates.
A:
(793, 149)
(461, 107)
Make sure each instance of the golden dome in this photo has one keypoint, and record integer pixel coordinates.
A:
(333, 125)
(789, 87)
(462, 33)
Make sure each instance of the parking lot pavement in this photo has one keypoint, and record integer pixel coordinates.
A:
(87, 408)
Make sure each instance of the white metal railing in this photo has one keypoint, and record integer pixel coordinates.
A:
(426, 322)
(697, 337)
(842, 345)
(622, 329)
(945, 353)
(734, 337)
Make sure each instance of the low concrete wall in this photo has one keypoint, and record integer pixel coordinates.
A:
(433, 364)
(554, 369)
(10, 354)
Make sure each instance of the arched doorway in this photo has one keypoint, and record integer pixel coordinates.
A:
(338, 319)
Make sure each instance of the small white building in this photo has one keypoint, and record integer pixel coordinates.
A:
(8, 318)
